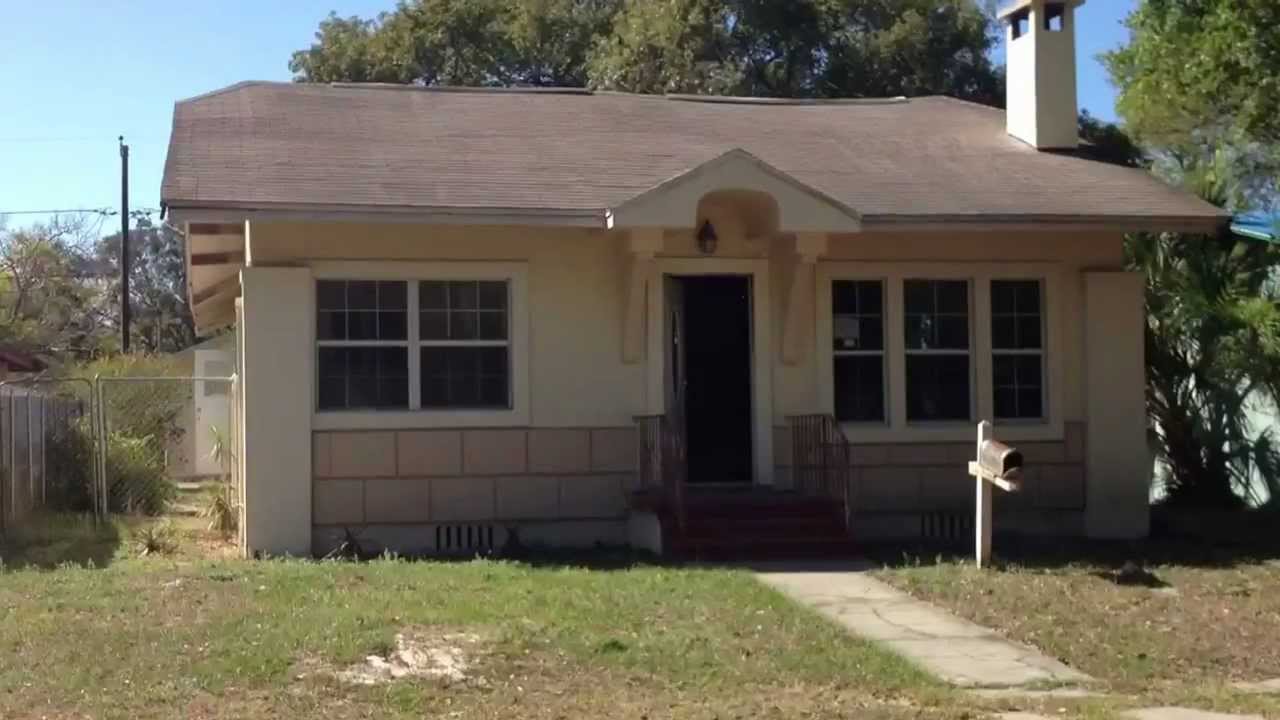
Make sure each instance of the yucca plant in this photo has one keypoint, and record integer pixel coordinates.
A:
(155, 539)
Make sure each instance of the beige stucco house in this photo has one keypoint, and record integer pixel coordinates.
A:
(463, 312)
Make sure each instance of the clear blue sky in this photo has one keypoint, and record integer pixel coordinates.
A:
(74, 74)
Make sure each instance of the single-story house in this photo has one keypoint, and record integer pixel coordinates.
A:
(592, 317)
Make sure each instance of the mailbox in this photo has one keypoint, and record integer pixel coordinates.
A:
(999, 460)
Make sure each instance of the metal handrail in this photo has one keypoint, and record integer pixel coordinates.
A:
(661, 462)
(821, 460)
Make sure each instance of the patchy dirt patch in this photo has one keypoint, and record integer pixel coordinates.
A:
(415, 653)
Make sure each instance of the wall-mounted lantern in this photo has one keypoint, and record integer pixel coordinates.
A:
(707, 239)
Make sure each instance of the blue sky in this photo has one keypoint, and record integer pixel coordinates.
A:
(74, 74)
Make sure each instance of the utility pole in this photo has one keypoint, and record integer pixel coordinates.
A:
(124, 246)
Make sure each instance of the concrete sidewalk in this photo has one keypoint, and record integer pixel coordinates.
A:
(955, 650)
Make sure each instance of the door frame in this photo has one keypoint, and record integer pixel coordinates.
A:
(761, 345)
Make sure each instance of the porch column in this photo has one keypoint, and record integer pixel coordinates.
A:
(641, 246)
(798, 323)
(1118, 463)
(277, 370)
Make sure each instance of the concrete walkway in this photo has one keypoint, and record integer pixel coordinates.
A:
(955, 650)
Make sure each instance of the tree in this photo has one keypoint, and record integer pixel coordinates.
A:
(162, 320)
(1199, 86)
(50, 294)
(1201, 78)
(798, 48)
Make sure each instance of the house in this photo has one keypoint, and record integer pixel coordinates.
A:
(601, 318)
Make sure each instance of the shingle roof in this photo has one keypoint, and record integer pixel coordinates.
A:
(264, 145)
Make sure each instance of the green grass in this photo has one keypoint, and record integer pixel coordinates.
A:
(185, 636)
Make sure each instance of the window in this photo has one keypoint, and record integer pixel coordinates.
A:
(936, 324)
(1055, 17)
(1020, 23)
(858, 339)
(465, 344)
(454, 352)
(1017, 349)
(363, 338)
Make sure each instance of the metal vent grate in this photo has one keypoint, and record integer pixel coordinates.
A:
(465, 538)
(946, 526)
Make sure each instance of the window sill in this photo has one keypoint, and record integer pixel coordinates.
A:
(417, 419)
(950, 432)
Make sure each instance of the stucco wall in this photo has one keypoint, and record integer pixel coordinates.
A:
(577, 280)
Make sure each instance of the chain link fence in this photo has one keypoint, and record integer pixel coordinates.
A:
(121, 445)
(166, 446)
(46, 448)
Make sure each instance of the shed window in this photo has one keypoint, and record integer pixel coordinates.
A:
(1055, 17)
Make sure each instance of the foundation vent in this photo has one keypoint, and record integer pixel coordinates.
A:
(465, 539)
(946, 526)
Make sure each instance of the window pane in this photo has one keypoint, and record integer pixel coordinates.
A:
(463, 295)
(362, 295)
(331, 295)
(857, 319)
(393, 326)
(363, 377)
(493, 295)
(331, 325)
(844, 298)
(433, 295)
(1004, 332)
(1029, 332)
(919, 332)
(937, 314)
(333, 393)
(937, 387)
(332, 362)
(1004, 297)
(393, 295)
(1019, 386)
(1028, 295)
(870, 297)
(433, 325)
(859, 388)
(953, 296)
(362, 325)
(493, 325)
(918, 297)
(463, 325)
(953, 332)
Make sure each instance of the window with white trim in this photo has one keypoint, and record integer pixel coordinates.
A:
(857, 308)
(938, 351)
(464, 343)
(452, 352)
(362, 334)
(1017, 349)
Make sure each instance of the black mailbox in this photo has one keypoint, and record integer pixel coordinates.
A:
(999, 460)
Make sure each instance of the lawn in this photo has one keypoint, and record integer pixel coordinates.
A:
(183, 635)
(1177, 619)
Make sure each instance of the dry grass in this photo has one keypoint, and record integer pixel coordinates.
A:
(1173, 619)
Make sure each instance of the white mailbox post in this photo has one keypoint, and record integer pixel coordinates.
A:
(996, 465)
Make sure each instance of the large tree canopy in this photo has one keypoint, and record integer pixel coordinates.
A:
(1202, 77)
(800, 48)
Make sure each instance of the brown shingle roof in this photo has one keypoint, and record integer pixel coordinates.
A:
(295, 145)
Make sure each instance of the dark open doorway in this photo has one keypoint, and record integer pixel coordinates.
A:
(717, 383)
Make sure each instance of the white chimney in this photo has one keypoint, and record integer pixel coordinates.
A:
(1041, 81)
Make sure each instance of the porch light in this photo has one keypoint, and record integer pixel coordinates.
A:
(707, 239)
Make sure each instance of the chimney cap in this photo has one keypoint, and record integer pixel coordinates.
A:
(1016, 6)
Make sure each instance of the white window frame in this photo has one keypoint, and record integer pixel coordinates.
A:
(1040, 352)
(1056, 300)
(882, 353)
(318, 343)
(967, 352)
(515, 274)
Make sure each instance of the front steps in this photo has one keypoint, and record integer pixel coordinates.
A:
(754, 524)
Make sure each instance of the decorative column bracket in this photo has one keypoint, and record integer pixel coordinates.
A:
(641, 247)
(798, 323)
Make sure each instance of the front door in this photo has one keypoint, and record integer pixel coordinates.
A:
(709, 374)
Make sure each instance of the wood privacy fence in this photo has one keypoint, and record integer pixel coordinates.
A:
(45, 446)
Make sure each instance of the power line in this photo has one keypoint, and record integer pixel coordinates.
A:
(61, 211)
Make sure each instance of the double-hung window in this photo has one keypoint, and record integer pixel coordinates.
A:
(362, 331)
(453, 351)
(938, 350)
(465, 343)
(858, 339)
(1017, 349)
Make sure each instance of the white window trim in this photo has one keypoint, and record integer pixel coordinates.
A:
(882, 353)
(979, 275)
(514, 273)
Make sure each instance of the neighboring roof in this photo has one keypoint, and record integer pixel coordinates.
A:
(1257, 227)
(264, 146)
(21, 360)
